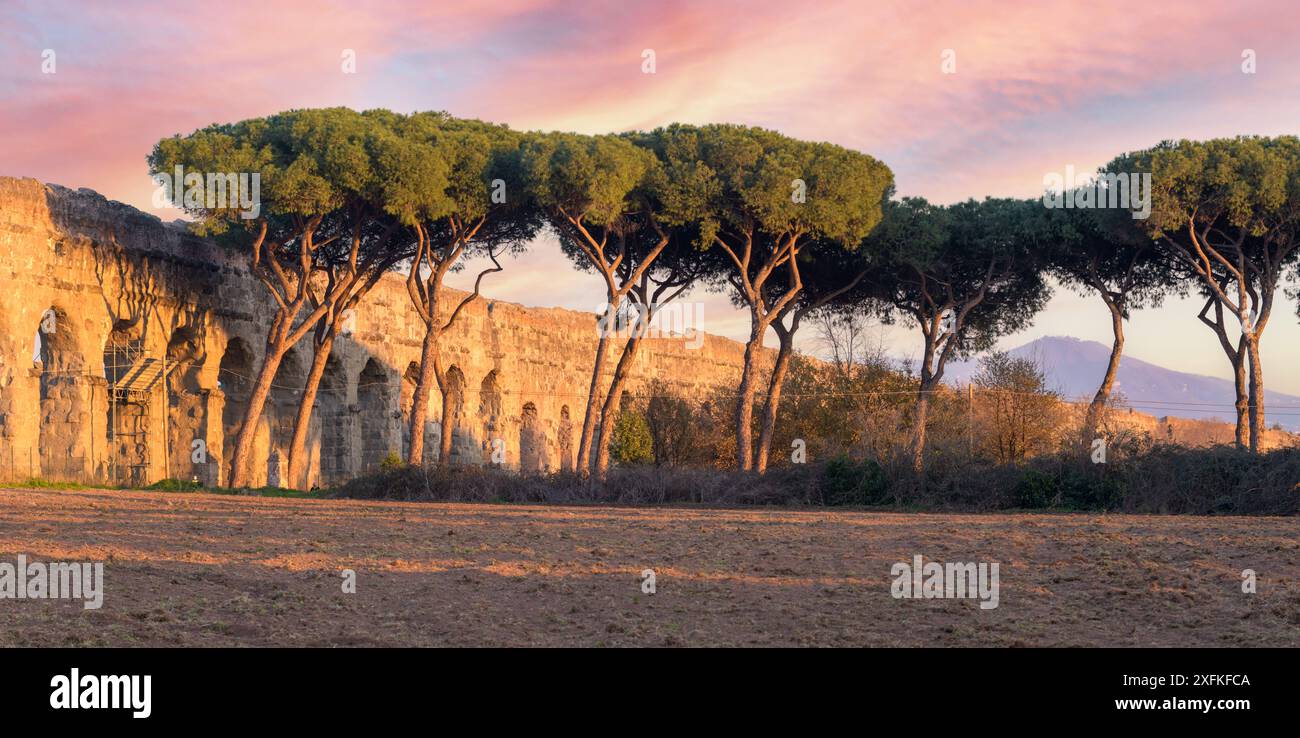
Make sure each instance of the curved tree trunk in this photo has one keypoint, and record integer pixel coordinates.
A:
(302, 422)
(1237, 357)
(929, 379)
(613, 403)
(1099, 401)
(772, 404)
(444, 441)
(1242, 402)
(241, 457)
(922, 413)
(1256, 399)
(583, 464)
(744, 416)
(420, 398)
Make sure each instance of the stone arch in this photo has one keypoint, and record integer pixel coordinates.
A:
(374, 414)
(336, 463)
(564, 439)
(61, 360)
(10, 421)
(409, 380)
(406, 396)
(186, 405)
(286, 393)
(184, 360)
(124, 344)
(532, 441)
(127, 415)
(235, 381)
(489, 412)
(455, 380)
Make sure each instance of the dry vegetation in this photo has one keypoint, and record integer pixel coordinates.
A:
(189, 569)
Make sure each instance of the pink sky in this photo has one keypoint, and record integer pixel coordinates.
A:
(1038, 86)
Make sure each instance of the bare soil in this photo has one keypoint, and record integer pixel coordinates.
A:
(208, 570)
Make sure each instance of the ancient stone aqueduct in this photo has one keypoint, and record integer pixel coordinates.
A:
(127, 347)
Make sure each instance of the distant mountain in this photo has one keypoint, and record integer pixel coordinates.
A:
(1074, 368)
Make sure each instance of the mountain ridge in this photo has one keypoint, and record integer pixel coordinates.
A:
(1074, 367)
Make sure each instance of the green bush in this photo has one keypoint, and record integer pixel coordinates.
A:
(175, 485)
(1035, 490)
(391, 461)
(1091, 491)
(848, 482)
(631, 441)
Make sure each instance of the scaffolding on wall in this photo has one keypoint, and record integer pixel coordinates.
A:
(133, 377)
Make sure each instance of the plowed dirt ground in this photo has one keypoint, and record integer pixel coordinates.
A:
(197, 569)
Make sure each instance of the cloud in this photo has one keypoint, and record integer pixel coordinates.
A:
(1037, 86)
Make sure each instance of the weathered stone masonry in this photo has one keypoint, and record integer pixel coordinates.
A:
(91, 288)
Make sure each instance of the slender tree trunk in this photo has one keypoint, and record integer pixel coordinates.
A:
(772, 404)
(613, 403)
(745, 401)
(1256, 400)
(929, 379)
(423, 387)
(302, 423)
(241, 458)
(444, 441)
(1242, 401)
(583, 464)
(1093, 418)
(1237, 357)
(918, 426)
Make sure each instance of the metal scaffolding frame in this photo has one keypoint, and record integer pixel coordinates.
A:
(132, 378)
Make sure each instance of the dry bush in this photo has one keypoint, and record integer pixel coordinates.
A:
(861, 409)
(1015, 446)
(687, 432)
(1161, 479)
(1017, 415)
(630, 485)
(1216, 480)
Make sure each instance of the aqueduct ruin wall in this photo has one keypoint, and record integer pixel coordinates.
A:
(91, 290)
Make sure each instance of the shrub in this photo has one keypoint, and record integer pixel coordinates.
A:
(848, 482)
(1166, 479)
(175, 485)
(1035, 490)
(1081, 490)
(631, 442)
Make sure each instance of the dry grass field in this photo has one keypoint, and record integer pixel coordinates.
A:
(208, 570)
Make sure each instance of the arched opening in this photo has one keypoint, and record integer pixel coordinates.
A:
(61, 363)
(489, 413)
(8, 418)
(235, 380)
(455, 380)
(122, 349)
(286, 394)
(375, 403)
(406, 396)
(532, 441)
(128, 408)
(336, 424)
(187, 409)
(184, 361)
(564, 439)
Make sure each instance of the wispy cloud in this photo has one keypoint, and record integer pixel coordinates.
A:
(1037, 85)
